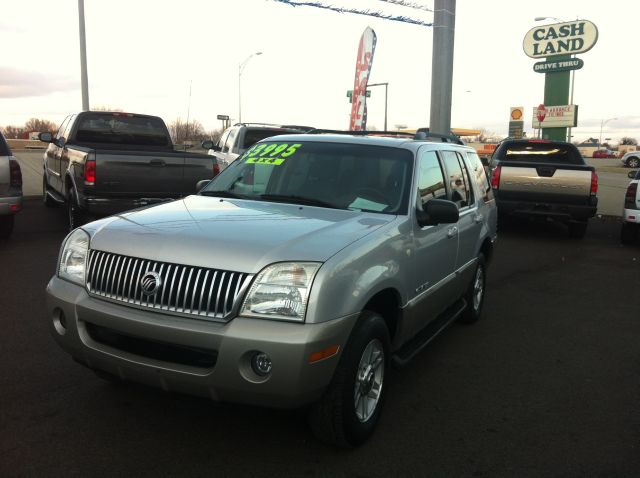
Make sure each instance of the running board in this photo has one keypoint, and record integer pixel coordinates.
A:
(426, 335)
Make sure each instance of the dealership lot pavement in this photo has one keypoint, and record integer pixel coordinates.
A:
(547, 384)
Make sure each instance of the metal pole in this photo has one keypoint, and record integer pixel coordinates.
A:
(239, 94)
(83, 58)
(442, 65)
(573, 80)
(386, 87)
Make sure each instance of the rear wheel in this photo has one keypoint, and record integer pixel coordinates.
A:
(6, 225)
(349, 410)
(475, 293)
(577, 229)
(74, 214)
(46, 199)
(628, 233)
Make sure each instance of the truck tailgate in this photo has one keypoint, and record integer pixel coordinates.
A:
(139, 173)
(545, 182)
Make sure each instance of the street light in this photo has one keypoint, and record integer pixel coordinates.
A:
(386, 87)
(240, 70)
(602, 123)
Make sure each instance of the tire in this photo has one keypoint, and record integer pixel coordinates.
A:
(633, 162)
(349, 409)
(6, 225)
(628, 233)
(75, 216)
(46, 199)
(475, 293)
(577, 229)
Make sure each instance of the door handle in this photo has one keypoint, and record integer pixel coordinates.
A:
(452, 232)
(478, 218)
(157, 162)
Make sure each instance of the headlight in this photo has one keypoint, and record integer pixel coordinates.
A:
(281, 291)
(73, 258)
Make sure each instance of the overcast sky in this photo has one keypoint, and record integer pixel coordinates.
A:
(143, 55)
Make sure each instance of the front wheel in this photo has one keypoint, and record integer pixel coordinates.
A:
(349, 410)
(475, 293)
(633, 162)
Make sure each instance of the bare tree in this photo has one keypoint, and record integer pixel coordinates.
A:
(630, 141)
(14, 132)
(182, 131)
(40, 125)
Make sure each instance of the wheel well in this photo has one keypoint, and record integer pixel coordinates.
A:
(387, 304)
(487, 249)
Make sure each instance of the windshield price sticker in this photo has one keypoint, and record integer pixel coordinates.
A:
(271, 153)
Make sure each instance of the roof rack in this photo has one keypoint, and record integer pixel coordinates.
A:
(424, 133)
(360, 132)
(271, 125)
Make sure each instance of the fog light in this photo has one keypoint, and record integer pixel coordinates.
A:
(59, 321)
(261, 364)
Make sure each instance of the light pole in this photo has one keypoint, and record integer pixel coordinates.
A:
(386, 88)
(83, 58)
(602, 123)
(573, 72)
(240, 70)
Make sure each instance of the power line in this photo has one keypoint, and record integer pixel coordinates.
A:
(369, 13)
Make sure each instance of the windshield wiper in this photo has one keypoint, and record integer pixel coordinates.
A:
(222, 194)
(298, 199)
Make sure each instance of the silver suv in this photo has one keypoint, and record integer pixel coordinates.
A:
(295, 277)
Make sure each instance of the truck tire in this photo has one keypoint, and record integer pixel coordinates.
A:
(347, 413)
(46, 199)
(577, 229)
(628, 233)
(75, 215)
(6, 225)
(475, 293)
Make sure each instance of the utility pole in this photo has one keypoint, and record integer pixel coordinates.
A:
(444, 22)
(83, 58)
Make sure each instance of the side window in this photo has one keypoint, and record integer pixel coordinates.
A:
(430, 177)
(63, 127)
(229, 142)
(67, 130)
(458, 187)
(480, 174)
(467, 179)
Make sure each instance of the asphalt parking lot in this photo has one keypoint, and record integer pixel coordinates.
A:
(546, 384)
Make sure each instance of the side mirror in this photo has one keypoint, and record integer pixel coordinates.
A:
(210, 145)
(438, 211)
(632, 174)
(45, 137)
(201, 184)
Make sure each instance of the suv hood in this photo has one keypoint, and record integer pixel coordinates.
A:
(232, 234)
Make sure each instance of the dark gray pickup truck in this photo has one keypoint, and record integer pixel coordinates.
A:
(103, 163)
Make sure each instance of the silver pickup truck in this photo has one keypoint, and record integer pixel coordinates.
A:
(545, 179)
(102, 163)
(10, 188)
(295, 277)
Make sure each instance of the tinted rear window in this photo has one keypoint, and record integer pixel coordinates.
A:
(543, 152)
(4, 147)
(122, 129)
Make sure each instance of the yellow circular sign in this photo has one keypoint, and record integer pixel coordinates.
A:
(516, 114)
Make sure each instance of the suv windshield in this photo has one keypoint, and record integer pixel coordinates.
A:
(337, 175)
(539, 152)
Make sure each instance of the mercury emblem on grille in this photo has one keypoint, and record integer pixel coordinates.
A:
(150, 283)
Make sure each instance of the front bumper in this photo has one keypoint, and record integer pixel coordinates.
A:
(559, 211)
(84, 327)
(10, 205)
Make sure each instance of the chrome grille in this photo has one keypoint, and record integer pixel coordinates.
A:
(184, 290)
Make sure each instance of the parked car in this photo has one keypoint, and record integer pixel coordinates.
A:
(238, 138)
(631, 159)
(631, 210)
(294, 277)
(544, 179)
(102, 163)
(10, 188)
(604, 153)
